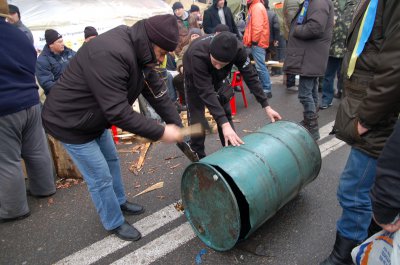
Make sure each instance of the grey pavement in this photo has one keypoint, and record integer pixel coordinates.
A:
(302, 232)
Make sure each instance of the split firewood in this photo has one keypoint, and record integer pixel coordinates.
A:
(136, 167)
(156, 186)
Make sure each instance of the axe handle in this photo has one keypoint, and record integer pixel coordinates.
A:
(191, 130)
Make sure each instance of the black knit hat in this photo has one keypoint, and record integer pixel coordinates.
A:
(14, 9)
(176, 6)
(162, 30)
(90, 31)
(221, 28)
(51, 36)
(223, 47)
(194, 8)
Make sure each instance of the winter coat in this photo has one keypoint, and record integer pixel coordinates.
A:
(344, 10)
(290, 9)
(25, 30)
(18, 89)
(211, 19)
(278, 10)
(373, 87)
(50, 66)
(383, 99)
(100, 85)
(203, 79)
(257, 26)
(307, 51)
(274, 28)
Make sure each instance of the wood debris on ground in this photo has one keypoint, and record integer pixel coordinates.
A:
(248, 131)
(67, 183)
(156, 186)
(138, 165)
(177, 165)
(173, 157)
(179, 206)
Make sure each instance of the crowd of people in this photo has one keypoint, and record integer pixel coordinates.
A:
(183, 62)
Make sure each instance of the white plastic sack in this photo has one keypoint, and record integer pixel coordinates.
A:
(383, 248)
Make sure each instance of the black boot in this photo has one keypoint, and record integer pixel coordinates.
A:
(310, 122)
(341, 253)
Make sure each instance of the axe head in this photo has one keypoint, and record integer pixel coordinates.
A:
(188, 151)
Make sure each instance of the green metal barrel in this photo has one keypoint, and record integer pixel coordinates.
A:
(229, 194)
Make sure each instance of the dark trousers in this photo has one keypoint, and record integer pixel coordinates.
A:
(196, 109)
(180, 87)
(290, 80)
(332, 70)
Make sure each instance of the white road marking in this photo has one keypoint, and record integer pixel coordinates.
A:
(110, 244)
(159, 247)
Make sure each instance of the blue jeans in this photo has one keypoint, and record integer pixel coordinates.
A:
(98, 162)
(308, 93)
(259, 58)
(332, 69)
(353, 194)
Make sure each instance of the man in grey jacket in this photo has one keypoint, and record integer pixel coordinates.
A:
(15, 19)
(307, 54)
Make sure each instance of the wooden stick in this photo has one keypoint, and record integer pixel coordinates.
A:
(156, 186)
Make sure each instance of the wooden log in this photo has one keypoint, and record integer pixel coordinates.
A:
(65, 167)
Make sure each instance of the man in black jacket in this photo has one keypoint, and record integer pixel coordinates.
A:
(207, 63)
(219, 13)
(97, 90)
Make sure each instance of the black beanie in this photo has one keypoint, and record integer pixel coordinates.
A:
(194, 8)
(223, 47)
(176, 6)
(14, 9)
(162, 30)
(221, 28)
(51, 36)
(90, 31)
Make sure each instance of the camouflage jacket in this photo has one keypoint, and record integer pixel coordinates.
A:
(344, 10)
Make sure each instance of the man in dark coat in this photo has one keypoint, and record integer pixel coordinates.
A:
(207, 62)
(53, 60)
(15, 19)
(365, 119)
(385, 192)
(21, 132)
(307, 54)
(96, 91)
(219, 13)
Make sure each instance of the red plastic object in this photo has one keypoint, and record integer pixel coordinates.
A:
(233, 105)
(238, 81)
(115, 133)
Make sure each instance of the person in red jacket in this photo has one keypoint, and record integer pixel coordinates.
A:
(256, 36)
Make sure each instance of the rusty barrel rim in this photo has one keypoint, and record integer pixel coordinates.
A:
(211, 206)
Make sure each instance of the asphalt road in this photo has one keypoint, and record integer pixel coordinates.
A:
(66, 229)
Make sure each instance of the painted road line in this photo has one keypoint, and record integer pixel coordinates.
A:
(325, 130)
(159, 247)
(110, 244)
(330, 146)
